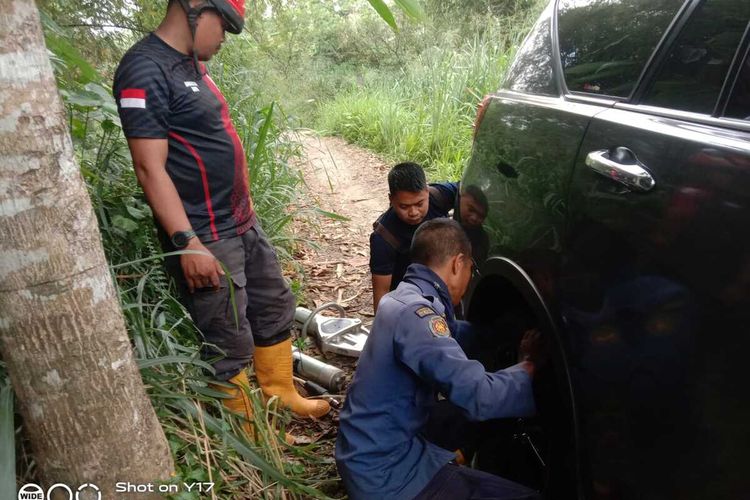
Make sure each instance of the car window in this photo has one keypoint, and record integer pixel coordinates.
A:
(739, 103)
(605, 44)
(693, 72)
(531, 71)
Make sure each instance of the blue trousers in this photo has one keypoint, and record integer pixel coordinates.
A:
(454, 482)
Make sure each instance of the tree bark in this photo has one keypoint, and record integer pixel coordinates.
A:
(62, 332)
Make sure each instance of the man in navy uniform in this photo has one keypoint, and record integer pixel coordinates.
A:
(410, 357)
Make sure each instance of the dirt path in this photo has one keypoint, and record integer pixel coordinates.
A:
(351, 182)
(333, 264)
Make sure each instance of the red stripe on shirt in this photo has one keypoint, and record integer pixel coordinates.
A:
(204, 177)
(240, 163)
(133, 94)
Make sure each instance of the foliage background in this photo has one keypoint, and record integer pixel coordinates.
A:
(330, 65)
(410, 94)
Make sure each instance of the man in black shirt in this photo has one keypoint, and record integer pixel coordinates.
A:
(412, 202)
(192, 167)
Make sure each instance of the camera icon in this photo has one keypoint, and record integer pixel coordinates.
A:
(33, 491)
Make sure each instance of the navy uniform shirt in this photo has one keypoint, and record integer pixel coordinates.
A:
(409, 358)
(392, 257)
(160, 95)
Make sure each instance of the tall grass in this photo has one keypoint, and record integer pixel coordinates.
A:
(274, 181)
(206, 441)
(424, 113)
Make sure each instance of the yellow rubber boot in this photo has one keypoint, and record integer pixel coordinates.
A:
(239, 402)
(273, 367)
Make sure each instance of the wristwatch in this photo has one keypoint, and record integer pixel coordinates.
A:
(180, 239)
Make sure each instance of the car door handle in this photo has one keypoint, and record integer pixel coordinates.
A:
(625, 169)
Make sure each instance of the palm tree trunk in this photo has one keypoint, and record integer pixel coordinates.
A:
(62, 333)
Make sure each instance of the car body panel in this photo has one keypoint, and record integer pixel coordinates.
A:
(525, 171)
(646, 293)
(650, 283)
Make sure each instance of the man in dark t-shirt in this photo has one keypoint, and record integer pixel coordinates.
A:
(191, 164)
(412, 202)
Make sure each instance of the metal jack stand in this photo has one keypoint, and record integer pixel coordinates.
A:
(345, 336)
(326, 377)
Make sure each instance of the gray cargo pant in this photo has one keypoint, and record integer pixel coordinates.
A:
(264, 302)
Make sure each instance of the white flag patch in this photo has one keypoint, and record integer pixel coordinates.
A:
(133, 98)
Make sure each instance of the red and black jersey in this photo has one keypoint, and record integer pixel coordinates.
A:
(160, 95)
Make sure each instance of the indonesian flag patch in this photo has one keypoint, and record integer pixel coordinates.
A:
(133, 98)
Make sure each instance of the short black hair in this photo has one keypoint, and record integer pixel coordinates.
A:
(407, 176)
(438, 240)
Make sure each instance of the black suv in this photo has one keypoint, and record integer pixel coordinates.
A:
(615, 165)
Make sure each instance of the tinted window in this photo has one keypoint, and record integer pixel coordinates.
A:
(694, 71)
(531, 71)
(604, 44)
(739, 103)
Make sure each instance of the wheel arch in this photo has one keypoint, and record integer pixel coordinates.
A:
(504, 281)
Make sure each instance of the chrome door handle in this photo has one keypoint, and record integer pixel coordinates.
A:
(631, 174)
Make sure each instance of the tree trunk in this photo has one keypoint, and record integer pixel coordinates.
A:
(62, 333)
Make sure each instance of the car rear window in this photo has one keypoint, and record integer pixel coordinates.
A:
(531, 71)
(605, 44)
(692, 75)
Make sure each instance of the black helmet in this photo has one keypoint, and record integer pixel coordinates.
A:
(233, 12)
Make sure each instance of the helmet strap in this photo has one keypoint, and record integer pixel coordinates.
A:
(192, 14)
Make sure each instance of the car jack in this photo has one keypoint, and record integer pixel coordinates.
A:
(345, 336)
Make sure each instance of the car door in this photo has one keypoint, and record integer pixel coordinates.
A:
(527, 139)
(527, 136)
(654, 283)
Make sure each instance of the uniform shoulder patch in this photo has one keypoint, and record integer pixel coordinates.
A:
(439, 327)
(425, 311)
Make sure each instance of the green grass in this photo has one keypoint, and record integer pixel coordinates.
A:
(425, 112)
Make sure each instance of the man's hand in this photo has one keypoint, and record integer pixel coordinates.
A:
(533, 351)
(201, 271)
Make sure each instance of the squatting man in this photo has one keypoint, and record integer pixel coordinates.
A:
(414, 352)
